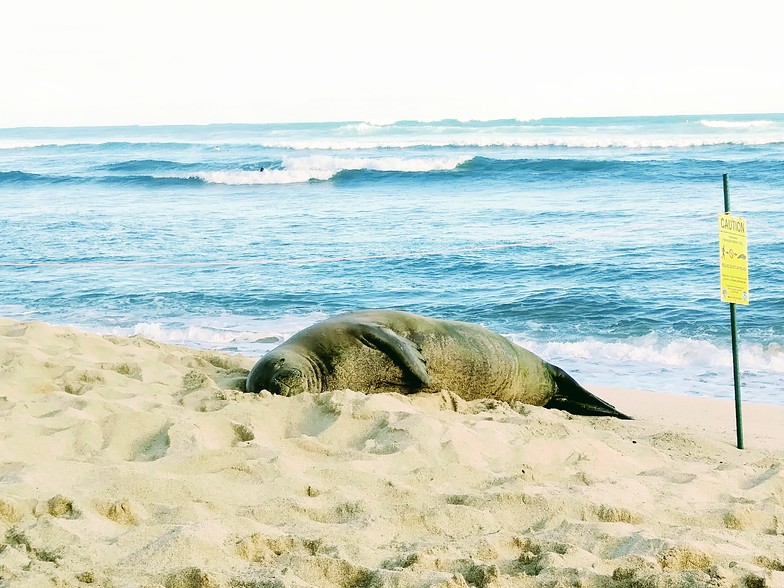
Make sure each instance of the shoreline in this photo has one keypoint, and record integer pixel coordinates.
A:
(129, 462)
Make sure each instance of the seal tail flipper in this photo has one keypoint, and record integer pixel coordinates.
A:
(573, 398)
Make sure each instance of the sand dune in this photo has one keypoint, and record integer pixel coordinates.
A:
(126, 463)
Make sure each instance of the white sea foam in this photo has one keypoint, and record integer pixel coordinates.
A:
(465, 141)
(241, 334)
(680, 366)
(573, 141)
(195, 335)
(654, 350)
(404, 164)
(362, 127)
(268, 176)
(21, 144)
(736, 124)
(365, 136)
(32, 143)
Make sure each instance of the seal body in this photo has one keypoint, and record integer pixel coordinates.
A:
(393, 351)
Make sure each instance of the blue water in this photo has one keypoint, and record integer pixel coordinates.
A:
(592, 242)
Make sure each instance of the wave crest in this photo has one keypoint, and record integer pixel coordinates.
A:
(294, 170)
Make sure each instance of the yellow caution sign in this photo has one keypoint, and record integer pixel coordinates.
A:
(733, 259)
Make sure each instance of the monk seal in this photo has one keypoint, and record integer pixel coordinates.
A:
(376, 351)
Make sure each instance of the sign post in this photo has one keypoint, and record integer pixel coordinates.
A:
(734, 279)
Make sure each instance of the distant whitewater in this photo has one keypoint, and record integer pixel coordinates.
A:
(591, 241)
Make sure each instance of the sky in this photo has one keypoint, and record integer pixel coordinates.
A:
(143, 62)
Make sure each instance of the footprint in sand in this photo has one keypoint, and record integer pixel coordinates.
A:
(134, 436)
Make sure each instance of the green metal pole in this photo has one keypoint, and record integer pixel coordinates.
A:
(734, 329)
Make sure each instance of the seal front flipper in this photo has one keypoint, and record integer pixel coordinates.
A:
(573, 398)
(401, 350)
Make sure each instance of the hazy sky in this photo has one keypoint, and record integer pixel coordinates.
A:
(160, 61)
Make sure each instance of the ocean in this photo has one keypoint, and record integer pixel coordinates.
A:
(591, 241)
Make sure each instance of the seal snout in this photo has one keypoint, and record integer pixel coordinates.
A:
(274, 374)
(287, 382)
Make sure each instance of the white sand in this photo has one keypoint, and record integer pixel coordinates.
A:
(130, 463)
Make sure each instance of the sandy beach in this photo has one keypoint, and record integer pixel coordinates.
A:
(127, 462)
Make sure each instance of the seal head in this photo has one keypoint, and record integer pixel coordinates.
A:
(282, 372)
